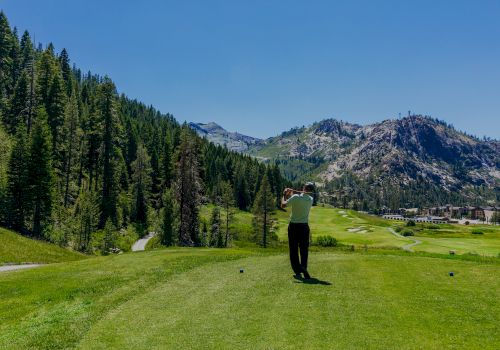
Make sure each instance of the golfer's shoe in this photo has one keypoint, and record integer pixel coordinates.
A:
(306, 274)
(297, 276)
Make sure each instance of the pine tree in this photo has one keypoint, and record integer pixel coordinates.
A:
(166, 165)
(19, 107)
(241, 189)
(216, 236)
(56, 105)
(72, 135)
(66, 71)
(27, 64)
(17, 181)
(40, 175)
(263, 209)
(109, 241)
(5, 156)
(86, 213)
(155, 179)
(167, 222)
(27, 52)
(6, 64)
(227, 202)
(107, 108)
(187, 189)
(141, 178)
(45, 74)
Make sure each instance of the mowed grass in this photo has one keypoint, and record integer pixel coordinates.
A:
(54, 306)
(371, 231)
(15, 249)
(353, 228)
(361, 302)
(189, 298)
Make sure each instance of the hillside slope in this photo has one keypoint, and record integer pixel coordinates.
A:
(15, 248)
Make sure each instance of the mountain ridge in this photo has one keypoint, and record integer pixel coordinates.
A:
(401, 151)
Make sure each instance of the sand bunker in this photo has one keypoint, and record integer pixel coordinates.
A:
(359, 229)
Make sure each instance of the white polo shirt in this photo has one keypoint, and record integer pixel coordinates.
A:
(301, 206)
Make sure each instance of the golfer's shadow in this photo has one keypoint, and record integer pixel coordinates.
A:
(311, 280)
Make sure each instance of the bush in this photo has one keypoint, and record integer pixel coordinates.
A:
(477, 232)
(410, 223)
(398, 229)
(407, 233)
(326, 241)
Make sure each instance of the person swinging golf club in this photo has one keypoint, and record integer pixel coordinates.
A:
(298, 228)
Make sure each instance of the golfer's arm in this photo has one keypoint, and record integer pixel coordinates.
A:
(283, 202)
(284, 198)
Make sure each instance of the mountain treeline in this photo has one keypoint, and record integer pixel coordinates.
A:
(76, 158)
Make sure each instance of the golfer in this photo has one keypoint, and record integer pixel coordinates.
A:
(298, 228)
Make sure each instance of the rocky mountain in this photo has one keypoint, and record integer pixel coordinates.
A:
(401, 151)
(416, 153)
(232, 140)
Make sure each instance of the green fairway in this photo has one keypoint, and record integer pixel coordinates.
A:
(15, 248)
(198, 299)
(353, 228)
(348, 226)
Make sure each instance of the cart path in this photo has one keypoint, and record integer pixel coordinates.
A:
(17, 267)
(141, 243)
(408, 246)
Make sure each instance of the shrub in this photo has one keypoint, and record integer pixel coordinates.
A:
(326, 241)
(410, 223)
(398, 229)
(477, 232)
(407, 233)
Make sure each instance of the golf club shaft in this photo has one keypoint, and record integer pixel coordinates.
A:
(298, 191)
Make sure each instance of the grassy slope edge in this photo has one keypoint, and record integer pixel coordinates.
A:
(17, 249)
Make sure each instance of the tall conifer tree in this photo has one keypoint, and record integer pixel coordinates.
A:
(40, 175)
(141, 178)
(17, 181)
(107, 107)
(188, 189)
(263, 209)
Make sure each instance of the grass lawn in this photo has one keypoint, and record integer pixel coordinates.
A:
(197, 299)
(347, 226)
(15, 248)
(54, 306)
(354, 228)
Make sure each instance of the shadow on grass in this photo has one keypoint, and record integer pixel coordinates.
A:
(311, 280)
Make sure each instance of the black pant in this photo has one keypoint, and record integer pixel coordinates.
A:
(298, 239)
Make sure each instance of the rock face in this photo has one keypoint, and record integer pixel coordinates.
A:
(218, 135)
(398, 149)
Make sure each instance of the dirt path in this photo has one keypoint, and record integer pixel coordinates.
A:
(408, 246)
(141, 243)
(17, 267)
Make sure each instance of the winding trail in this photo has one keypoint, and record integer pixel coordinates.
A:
(408, 246)
(18, 267)
(141, 243)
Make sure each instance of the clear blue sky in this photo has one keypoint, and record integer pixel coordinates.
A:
(262, 67)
